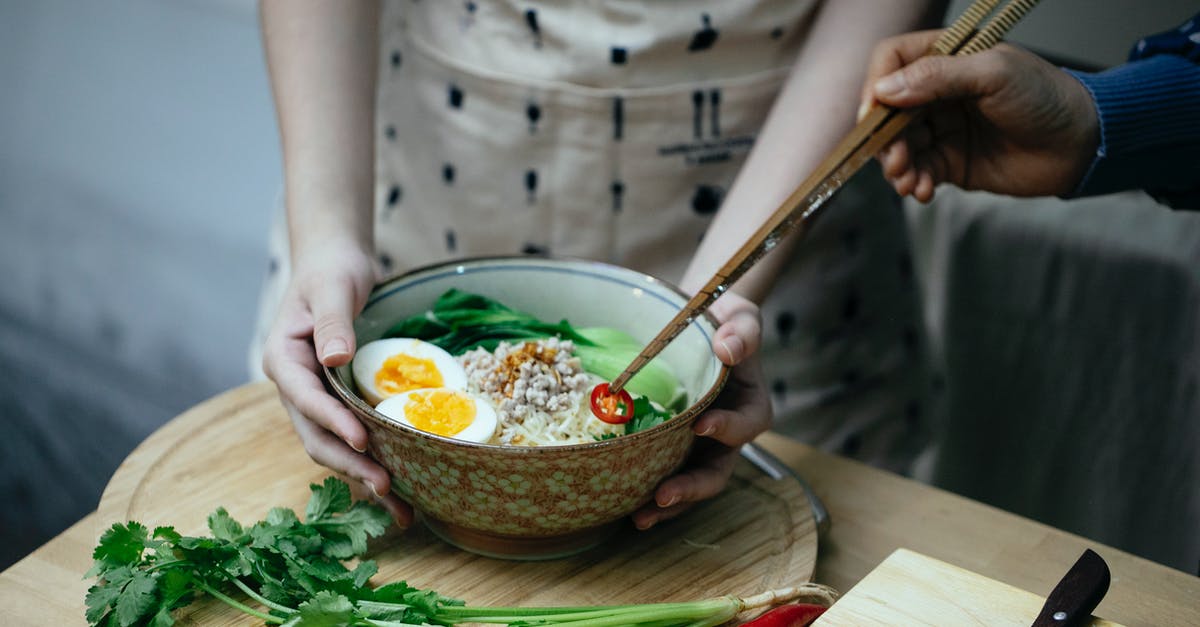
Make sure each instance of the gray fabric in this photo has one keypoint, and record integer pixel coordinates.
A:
(1068, 332)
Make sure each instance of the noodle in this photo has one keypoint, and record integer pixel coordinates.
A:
(539, 391)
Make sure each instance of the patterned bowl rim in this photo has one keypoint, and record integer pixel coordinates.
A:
(385, 287)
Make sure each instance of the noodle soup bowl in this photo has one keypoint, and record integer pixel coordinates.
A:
(523, 502)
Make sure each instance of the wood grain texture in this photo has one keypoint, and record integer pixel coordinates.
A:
(913, 589)
(238, 451)
(873, 512)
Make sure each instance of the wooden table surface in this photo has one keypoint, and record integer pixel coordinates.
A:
(873, 513)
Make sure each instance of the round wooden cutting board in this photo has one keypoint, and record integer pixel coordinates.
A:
(238, 451)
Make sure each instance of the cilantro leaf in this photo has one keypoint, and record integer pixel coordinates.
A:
(136, 599)
(325, 609)
(645, 416)
(223, 526)
(120, 545)
(100, 599)
(356, 525)
(327, 499)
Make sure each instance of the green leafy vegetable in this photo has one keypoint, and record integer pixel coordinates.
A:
(293, 572)
(461, 321)
(611, 350)
(645, 416)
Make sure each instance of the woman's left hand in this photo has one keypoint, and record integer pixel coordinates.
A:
(739, 414)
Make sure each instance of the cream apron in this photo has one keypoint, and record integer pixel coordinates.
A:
(611, 131)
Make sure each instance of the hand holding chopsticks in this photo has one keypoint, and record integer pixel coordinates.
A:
(1005, 121)
(877, 129)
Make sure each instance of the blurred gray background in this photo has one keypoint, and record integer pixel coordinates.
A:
(138, 169)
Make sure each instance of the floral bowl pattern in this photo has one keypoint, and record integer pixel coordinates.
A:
(536, 502)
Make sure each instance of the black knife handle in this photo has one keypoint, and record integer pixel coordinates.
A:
(1078, 593)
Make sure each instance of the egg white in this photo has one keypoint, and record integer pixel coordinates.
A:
(370, 357)
(482, 426)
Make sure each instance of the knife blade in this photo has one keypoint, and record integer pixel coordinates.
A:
(777, 470)
(1078, 593)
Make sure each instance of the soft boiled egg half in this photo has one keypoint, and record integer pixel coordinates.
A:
(388, 367)
(442, 411)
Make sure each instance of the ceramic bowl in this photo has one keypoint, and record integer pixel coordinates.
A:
(536, 502)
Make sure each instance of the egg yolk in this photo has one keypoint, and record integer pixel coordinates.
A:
(443, 412)
(401, 373)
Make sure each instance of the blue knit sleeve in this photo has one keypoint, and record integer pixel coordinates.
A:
(1149, 112)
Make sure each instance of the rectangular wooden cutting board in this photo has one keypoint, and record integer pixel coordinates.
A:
(912, 589)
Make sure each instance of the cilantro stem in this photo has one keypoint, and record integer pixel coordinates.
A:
(260, 598)
(597, 616)
(230, 601)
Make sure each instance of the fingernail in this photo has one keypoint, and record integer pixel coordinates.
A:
(645, 524)
(890, 85)
(334, 348)
(669, 502)
(353, 446)
(708, 429)
(731, 345)
(863, 109)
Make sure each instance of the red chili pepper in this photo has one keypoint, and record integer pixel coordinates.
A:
(794, 615)
(614, 409)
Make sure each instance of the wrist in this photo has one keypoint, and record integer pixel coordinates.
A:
(322, 254)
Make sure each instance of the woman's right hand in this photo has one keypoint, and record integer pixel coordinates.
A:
(328, 288)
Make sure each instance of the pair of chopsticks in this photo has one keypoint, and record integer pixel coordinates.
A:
(877, 129)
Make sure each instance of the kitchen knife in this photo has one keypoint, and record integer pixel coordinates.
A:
(1078, 593)
(777, 470)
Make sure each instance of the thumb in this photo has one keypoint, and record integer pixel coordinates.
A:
(332, 308)
(936, 78)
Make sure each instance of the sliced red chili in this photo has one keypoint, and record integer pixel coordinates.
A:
(614, 409)
(793, 615)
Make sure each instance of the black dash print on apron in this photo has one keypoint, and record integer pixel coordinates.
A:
(531, 19)
(851, 445)
(385, 262)
(471, 7)
(850, 307)
(454, 97)
(912, 413)
(618, 55)
(911, 341)
(531, 186)
(777, 32)
(905, 265)
(451, 241)
(618, 117)
(618, 192)
(850, 240)
(705, 37)
(448, 173)
(389, 132)
(714, 101)
(785, 323)
(534, 113)
(534, 249)
(707, 199)
(395, 193)
(779, 388)
(396, 59)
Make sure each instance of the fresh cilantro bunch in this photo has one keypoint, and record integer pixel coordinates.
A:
(294, 569)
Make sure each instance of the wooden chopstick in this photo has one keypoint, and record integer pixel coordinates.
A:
(795, 215)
